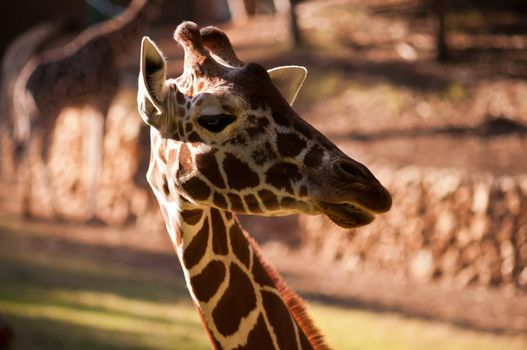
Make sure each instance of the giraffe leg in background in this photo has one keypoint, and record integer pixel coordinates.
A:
(24, 184)
(94, 151)
(6, 171)
(93, 160)
(25, 169)
(43, 143)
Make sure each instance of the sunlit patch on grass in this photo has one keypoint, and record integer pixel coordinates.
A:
(356, 329)
(72, 301)
(155, 325)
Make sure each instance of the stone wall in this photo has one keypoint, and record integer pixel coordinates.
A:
(445, 225)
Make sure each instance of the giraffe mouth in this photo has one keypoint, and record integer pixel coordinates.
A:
(347, 215)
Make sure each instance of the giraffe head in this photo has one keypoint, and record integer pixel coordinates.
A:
(232, 141)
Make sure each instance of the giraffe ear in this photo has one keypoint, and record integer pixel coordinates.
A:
(288, 80)
(152, 81)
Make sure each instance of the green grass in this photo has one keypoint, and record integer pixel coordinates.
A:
(354, 329)
(59, 299)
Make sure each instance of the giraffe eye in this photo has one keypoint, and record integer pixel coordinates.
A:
(215, 123)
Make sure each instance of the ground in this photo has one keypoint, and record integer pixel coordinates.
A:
(70, 286)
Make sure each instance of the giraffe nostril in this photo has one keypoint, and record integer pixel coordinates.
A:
(354, 169)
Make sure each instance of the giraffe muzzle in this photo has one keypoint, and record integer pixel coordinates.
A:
(352, 196)
(347, 215)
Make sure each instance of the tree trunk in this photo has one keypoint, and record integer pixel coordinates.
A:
(440, 8)
(250, 7)
(237, 10)
(296, 35)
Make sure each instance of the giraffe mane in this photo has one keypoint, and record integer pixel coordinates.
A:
(292, 300)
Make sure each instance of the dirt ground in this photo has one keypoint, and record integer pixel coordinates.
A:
(315, 279)
(376, 90)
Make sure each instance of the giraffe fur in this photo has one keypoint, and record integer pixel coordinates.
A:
(225, 140)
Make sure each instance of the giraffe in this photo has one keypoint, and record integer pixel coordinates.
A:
(82, 73)
(19, 51)
(225, 140)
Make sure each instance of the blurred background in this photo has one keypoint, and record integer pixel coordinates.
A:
(430, 95)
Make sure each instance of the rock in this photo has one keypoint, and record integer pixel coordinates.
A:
(449, 262)
(466, 276)
(421, 265)
(480, 199)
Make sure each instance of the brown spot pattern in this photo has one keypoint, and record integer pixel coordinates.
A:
(252, 203)
(252, 119)
(290, 145)
(239, 175)
(185, 161)
(281, 119)
(180, 98)
(172, 156)
(194, 137)
(260, 275)
(239, 140)
(197, 189)
(230, 309)
(161, 153)
(304, 128)
(165, 187)
(208, 166)
(220, 201)
(236, 202)
(269, 199)
(192, 216)
(197, 247)
(239, 245)
(313, 158)
(261, 124)
(219, 233)
(254, 131)
(259, 337)
(208, 281)
(281, 176)
(288, 202)
(263, 153)
(280, 320)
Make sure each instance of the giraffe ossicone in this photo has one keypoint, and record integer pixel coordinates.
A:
(225, 139)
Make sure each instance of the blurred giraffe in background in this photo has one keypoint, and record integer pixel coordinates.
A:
(17, 54)
(83, 73)
(224, 139)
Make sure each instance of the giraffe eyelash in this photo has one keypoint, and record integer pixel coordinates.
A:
(216, 123)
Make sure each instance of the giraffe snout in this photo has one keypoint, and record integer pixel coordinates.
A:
(362, 184)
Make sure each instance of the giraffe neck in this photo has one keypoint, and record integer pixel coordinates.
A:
(243, 302)
(234, 290)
